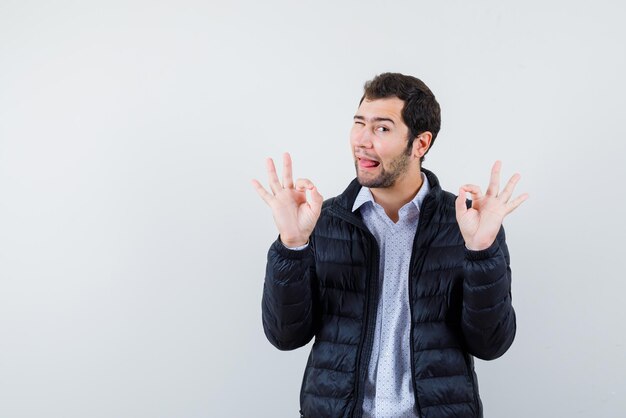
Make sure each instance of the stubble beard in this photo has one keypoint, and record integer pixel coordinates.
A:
(387, 177)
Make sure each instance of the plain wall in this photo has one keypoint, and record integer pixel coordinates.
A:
(132, 245)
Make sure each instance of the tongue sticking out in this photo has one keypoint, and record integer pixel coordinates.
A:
(368, 163)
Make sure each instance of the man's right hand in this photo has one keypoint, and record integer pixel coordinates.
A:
(294, 216)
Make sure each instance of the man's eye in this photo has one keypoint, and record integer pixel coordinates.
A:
(382, 129)
(356, 122)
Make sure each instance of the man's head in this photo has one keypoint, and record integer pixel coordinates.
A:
(421, 112)
(394, 111)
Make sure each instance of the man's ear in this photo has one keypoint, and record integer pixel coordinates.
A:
(421, 144)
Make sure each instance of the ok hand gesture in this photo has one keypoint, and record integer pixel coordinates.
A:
(294, 215)
(480, 224)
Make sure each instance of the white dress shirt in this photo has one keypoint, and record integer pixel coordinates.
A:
(389, 386)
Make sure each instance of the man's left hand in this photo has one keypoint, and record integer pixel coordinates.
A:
(480, 223)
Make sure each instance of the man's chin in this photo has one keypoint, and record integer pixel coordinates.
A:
(370, 179)
(371, 182)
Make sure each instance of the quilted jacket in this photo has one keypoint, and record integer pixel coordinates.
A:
(460, 302)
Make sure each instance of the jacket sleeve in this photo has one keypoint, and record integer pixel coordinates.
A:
(488, 318)
(287, 305)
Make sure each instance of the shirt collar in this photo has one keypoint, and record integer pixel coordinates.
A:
(365, 195)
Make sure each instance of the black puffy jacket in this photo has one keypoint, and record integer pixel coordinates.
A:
(460, 304)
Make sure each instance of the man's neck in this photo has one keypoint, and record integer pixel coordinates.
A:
(402, 192)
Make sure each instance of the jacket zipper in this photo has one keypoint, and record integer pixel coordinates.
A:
(420, 223)
(371, 307)
(371, 292)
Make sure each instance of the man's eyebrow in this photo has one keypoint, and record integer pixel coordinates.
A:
(376, 119)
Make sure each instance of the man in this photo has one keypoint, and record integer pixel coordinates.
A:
(400, 282)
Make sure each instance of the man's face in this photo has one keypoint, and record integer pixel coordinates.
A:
(379, 142)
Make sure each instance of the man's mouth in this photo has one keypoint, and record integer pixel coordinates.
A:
(367, 163)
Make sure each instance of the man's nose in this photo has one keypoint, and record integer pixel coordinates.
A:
(363, 138)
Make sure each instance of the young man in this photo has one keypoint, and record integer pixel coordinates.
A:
(400, 282)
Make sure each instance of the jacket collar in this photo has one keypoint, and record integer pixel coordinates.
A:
(346, 199)
(365, 195)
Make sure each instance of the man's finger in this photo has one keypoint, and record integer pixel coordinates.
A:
(512, 205)
(473, 190)
(510, 186)
(460, 205)
(316, 200)
(273, 177)
(287, 173)
(303, 184)
(265, 195)
(494, 181)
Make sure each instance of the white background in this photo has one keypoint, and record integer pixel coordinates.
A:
(132, 245)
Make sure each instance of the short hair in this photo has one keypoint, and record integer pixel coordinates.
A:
(420, 113)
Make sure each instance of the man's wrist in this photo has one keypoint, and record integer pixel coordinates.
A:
(478, 246)
(294, 244)
(475, 255)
